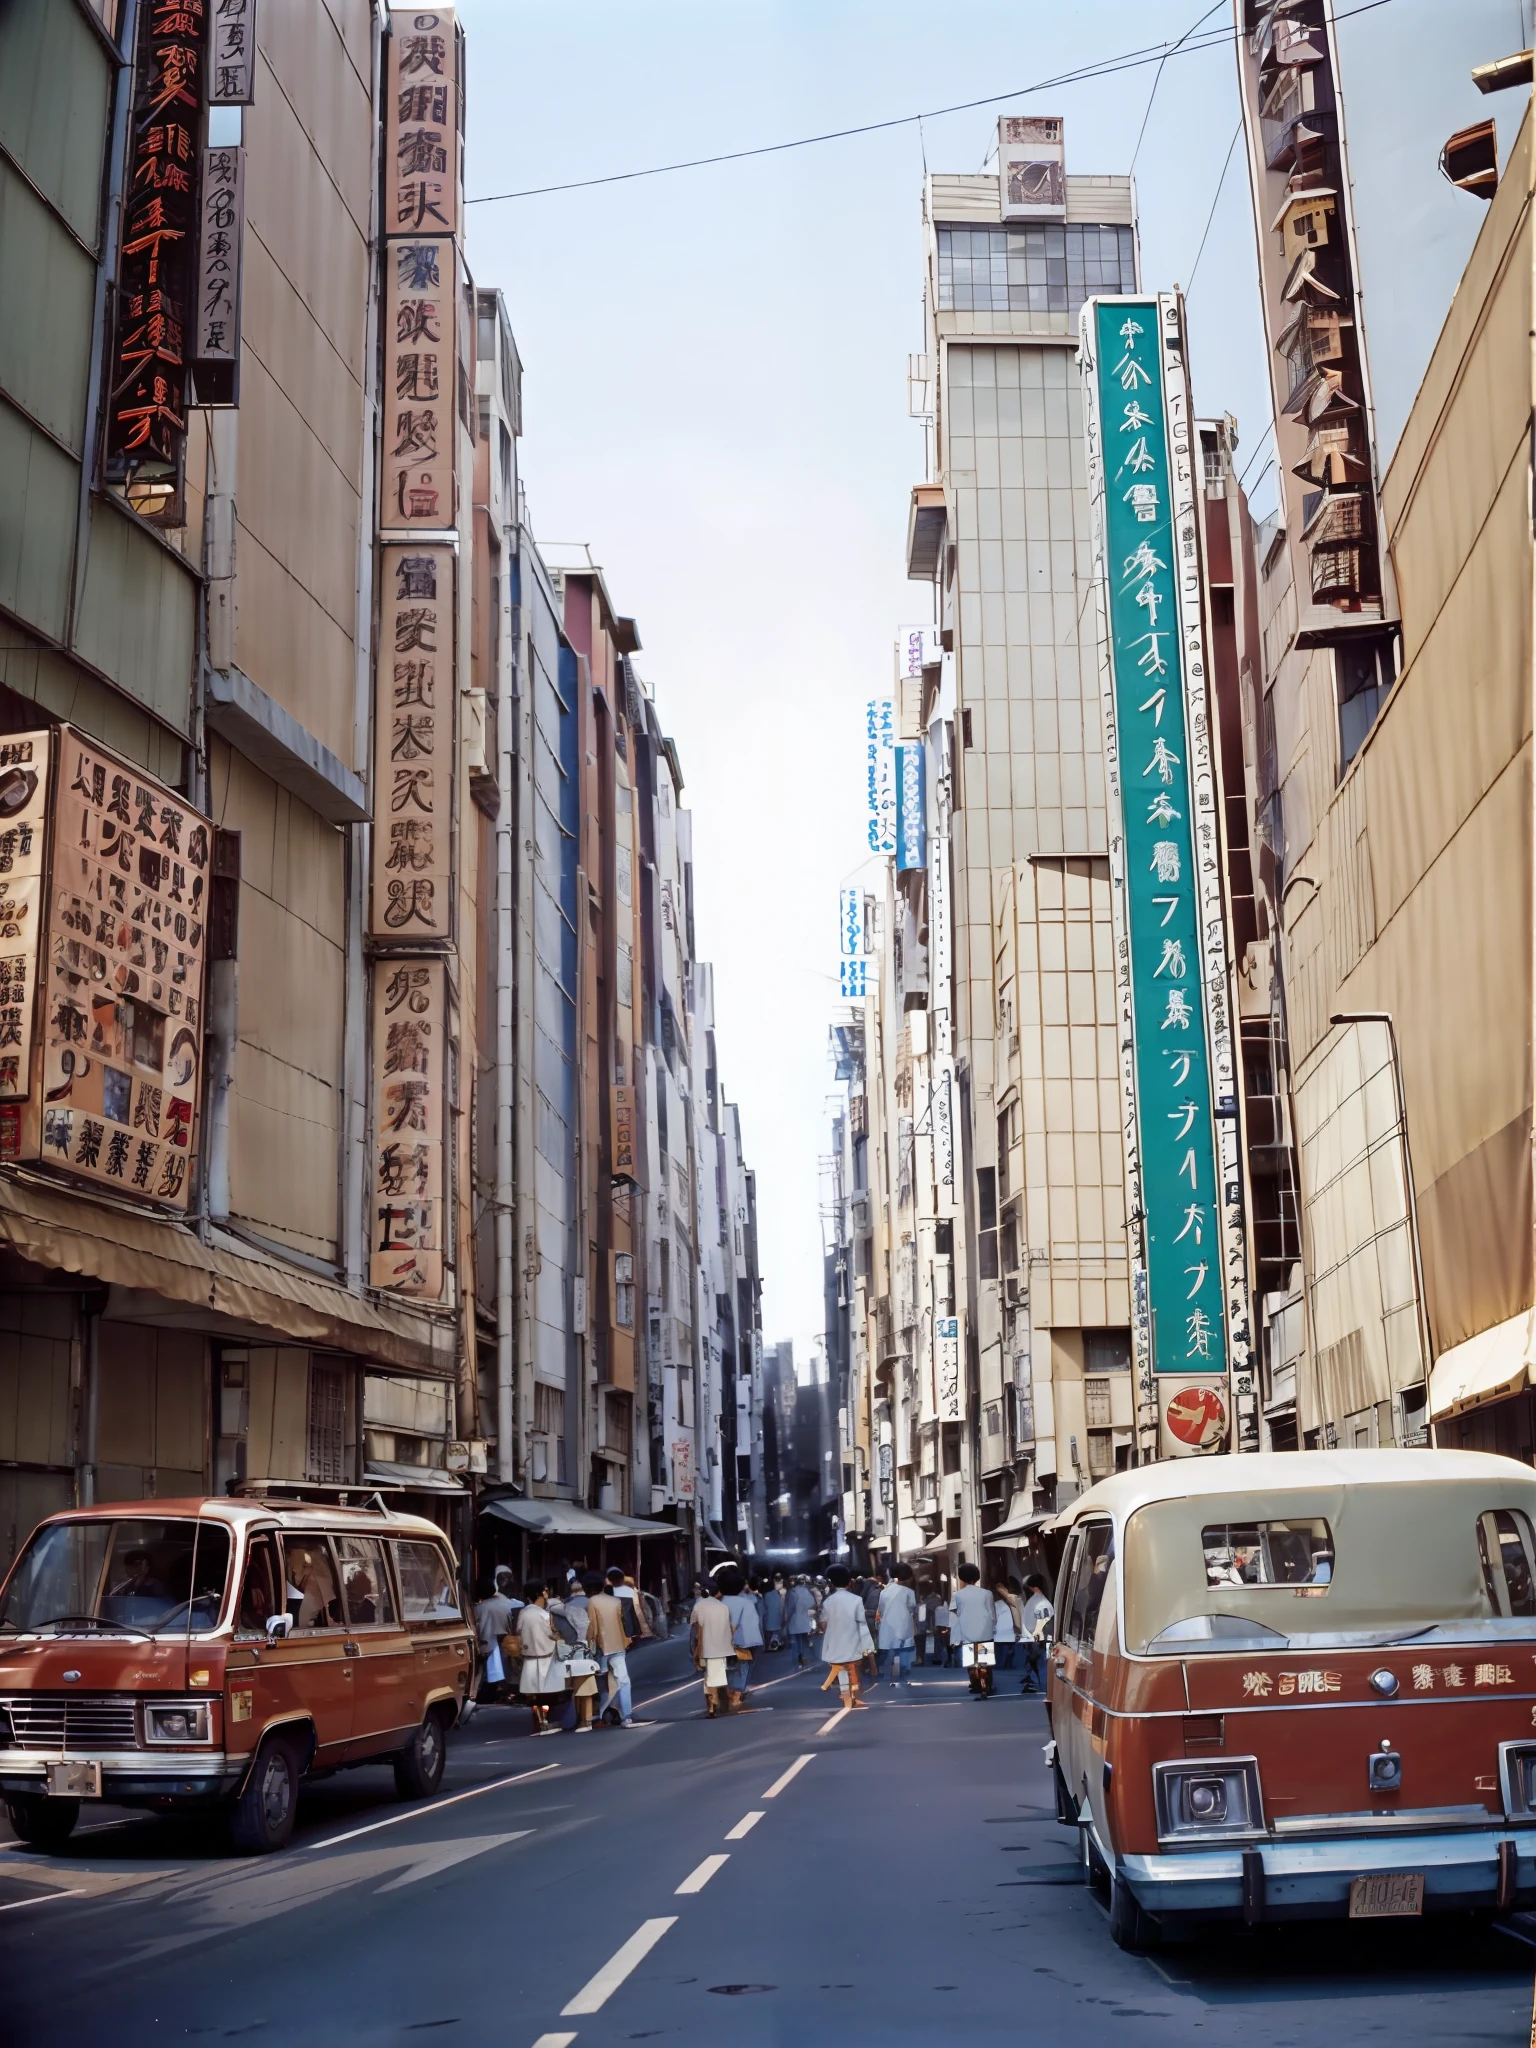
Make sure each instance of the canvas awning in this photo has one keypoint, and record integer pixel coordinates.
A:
(569, 1518)
(415, 1478)
(1019, 1525)
(1486, 1367)
(163, 1272)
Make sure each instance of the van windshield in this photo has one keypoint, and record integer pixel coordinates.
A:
(132, 1575)
(1369, 1564)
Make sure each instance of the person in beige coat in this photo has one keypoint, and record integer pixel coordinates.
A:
(541, 1677)
(712, 1634)
(605, 1633)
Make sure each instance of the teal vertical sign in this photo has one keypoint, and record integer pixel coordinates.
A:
(1173, 1143)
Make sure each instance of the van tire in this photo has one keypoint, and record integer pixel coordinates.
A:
(1129, 1927)
(263, 1816)
(419, 1766)
(45, 1824)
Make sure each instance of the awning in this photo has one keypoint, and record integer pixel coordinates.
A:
(1486, 1367)
(1018, 1525)
(416, 1478)
(569, 1518)
(166, 1274)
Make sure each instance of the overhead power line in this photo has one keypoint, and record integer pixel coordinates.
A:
(1187, 45)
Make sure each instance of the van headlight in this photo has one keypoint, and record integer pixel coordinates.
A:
(1217, 1801)
(185, 1721)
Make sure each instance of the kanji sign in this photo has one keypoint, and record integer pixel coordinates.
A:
(232, 54)
(123, 1002)
(1171, 957)
(413, 755)
(146, 412)
(216, 329)
(410, 1021)
(416, 489)
(880, 773)
(421, 124)
(24, 764)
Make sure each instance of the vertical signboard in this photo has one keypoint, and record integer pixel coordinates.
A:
(409, 1113)
(852, 967)
(24, 791)
(947, 1366)
(416, 469)
(123, 985)
(221, 234)
(1032, 167)
(1169, 930)
(911, 807)
(623, 1102)
(413, 746)
(880, 773)
(146, 412)
(917, 648)
(421, 124)
(232, 54)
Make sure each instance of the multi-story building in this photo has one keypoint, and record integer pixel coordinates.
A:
(1389, 718)
(1001, 533)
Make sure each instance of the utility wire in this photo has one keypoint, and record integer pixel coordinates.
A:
(1157, 79)
(1188, 45)
(1225, 167)
(1258, 451)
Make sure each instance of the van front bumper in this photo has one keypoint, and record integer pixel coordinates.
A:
(128, 1775)
(1311, 1880)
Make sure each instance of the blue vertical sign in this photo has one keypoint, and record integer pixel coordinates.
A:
(911, 807)
(1151, 736)
(852, 967)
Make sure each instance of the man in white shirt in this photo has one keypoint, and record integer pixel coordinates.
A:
(897, 1622)
(1034, 1632)
(974, 1628)
(845, 1638)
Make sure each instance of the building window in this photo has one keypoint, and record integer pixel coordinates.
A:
(1036, 269)
(1106, 1351)
(1365, 667)
(326, 1445)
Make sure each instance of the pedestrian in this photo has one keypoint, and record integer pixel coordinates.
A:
(799, 1620)
(712, 1638)
(1038, 1615)
(974, 1628)
(897, 1622)
(607, 1627)
(773, 1612)
(1008, 1608)
(923, 1623)
(637, 1620)
(494, 1626)
(869, 1592)
(845, 1640)
(541, 1677)
(942, 1617)
(746, 1633)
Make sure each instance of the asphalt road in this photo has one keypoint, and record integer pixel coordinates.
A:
(783, 1877)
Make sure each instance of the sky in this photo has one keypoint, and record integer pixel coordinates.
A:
(715, 402)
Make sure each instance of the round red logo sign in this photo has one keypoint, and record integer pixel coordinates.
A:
(1198, 1416)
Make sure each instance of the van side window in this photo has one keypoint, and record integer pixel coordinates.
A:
(364, 1582)
(427, 1591)
(1063, 1598)
(259, 1588)
(310, 1589)
(1508, 1558)
(1092, 1574)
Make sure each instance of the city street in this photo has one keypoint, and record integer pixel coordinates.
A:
(891, 1876)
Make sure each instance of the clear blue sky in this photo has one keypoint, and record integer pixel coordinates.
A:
(715, 401)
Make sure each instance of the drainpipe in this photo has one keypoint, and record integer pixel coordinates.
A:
(1385, 1017)
(506, 826)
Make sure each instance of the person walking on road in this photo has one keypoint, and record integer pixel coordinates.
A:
(943, 1618)
(897, 1622)
(541, 1678)
(609, 1638)
(845, 1640)
(1035, 1631)
(799, 1620)
(974, 1628)
(1008, 1611)
(746, 1633)
(773, 1612)
(712, 1636)
(493, 1622)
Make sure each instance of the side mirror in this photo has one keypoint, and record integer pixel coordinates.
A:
(279, 1626)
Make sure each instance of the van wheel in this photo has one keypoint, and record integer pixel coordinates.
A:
(264, 1813)
(43, 1823)
(419, 1766)
(1129, 1927)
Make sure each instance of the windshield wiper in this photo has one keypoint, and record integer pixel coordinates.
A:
(94, 1621)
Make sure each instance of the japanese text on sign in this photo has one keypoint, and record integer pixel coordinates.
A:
(24, 760)
(217, 330)
(123, 1023)
(412, 899)
(409, 1077)
(421, 125)
(880, 773)
(232, 54)
(416, 471)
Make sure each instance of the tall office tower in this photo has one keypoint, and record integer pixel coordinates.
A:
(1001, 530)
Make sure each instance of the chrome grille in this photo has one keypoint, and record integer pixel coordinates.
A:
(65, 1720)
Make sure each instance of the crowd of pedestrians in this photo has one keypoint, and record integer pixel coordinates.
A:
(562, 1648)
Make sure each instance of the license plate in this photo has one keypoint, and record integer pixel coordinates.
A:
(1391, 1895)
(74, 1781)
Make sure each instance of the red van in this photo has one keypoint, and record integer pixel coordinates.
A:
(201, 1653)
